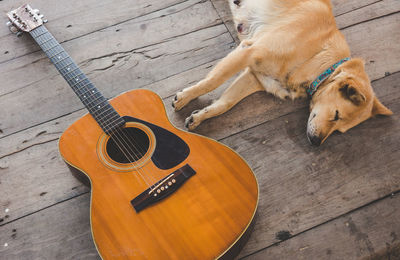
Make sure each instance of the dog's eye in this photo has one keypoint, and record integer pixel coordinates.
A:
(336, 116)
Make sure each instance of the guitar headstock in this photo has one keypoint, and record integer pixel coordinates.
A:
(25, 19)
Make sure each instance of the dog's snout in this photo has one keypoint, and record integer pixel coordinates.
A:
(314, 140)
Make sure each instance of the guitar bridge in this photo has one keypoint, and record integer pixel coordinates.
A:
(163, 188)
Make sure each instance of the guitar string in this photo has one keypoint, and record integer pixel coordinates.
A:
(118, 131)
(67, 76)
(119, 137)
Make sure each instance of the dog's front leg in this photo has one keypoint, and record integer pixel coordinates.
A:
(243, 86)
(226, 68)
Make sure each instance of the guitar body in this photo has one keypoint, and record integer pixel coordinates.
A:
(206, 217)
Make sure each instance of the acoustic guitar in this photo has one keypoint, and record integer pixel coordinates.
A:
(157, 192)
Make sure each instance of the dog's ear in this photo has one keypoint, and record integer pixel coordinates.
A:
(351, 93)
(379, 109)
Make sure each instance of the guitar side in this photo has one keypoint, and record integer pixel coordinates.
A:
(206, 218)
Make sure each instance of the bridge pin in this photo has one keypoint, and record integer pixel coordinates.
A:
(162, 188)
(173, 180)
(169, 183)
(158, 191)
(166, 186)
(155, 195)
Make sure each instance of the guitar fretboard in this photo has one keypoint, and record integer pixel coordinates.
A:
(98, 106)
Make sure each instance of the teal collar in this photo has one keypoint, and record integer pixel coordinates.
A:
(312, 88)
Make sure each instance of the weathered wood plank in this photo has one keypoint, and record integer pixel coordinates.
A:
(372, 231)
(347, 13)
(115, 69)
(72, 20)
(59, 232)
(43, 179)
(103, 48)
(343, 6)
(367, 12)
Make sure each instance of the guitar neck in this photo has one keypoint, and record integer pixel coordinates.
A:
(97, 105)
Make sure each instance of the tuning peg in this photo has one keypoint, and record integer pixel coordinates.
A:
(13, 29)
(19, 34)
(8, 23)
(41, 16)
(36, 11)
(45, 21)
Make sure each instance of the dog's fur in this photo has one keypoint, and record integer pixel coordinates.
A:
(284, 46)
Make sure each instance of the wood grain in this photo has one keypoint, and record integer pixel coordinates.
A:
(64, 235)
(130, 72)
(114, 45)
(347, 13)
(371, 232)
(70, 21)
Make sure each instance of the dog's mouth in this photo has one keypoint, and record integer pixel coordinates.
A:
(313, 139)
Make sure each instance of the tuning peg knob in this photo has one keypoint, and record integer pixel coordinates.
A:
(36, 11)
(41, 16)
(45, 21)
(19, 34)
(13, 29)
(8, 23)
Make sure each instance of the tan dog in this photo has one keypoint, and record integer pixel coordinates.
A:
(285, 46)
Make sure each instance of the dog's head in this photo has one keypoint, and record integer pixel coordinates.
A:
(343, 101)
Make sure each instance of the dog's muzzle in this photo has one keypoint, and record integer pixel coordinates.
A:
(314, 140)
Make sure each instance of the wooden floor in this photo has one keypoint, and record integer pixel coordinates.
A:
(337, 201)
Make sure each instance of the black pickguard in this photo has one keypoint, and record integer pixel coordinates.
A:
(170, 149)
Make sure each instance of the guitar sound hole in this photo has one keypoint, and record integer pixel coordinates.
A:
(127, 145)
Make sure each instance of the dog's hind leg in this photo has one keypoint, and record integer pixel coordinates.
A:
(243, 86)
(226, 68)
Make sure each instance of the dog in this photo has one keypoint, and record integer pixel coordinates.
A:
(291, 49)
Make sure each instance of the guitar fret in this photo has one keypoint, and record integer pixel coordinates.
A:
(97, 99)
(47, 40)
(108, 108)
(40, 35)
(80, 81)
(113, 120)
(68, 65)
(97, 105)
(60, 60)
(72, 71)
(56, 54)
(50, 48)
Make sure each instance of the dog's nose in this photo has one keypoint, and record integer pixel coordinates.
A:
(240, 28)
(314, 140)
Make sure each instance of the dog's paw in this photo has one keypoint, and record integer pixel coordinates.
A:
(193, 120)
(179, 102)
(282, 94)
